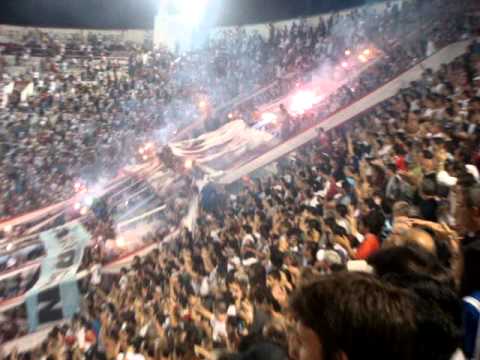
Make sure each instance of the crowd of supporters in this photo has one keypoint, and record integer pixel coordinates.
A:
(273, 271)
(84, 108)
(103, 221)
(363, 244)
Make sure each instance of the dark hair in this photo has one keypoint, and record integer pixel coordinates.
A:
(429, 187)
(339, 230)
(374, 221)
(470, 278)
(401, 208)
(408, 259)
(427, 154)
(275, 273)
(358, 315)
(439, 315)
(258, 274)
(473, 196)
(342, 210)
(392, 167)
(263, 350)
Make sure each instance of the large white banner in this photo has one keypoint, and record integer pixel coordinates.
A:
(57, 285)
(220, 148)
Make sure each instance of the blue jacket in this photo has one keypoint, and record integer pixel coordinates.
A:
(471, 317)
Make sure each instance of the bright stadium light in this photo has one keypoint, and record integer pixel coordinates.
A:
(191, 11)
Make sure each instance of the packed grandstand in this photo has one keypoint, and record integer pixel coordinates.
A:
(308, 193)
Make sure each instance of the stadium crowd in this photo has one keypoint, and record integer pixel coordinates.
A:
(359, 244)
(59, 139)
(103, 221)
(85, 109)
(362, 244)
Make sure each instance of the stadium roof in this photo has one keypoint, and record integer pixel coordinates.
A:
(139, 14)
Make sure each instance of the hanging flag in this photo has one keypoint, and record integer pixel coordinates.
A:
(55, 295)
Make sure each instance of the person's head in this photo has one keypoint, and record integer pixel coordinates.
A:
(258, 274)
(274, 277)
(405, 235)
(221, 311)
(401, 209)
(427, 161)
(470, 278)
(428, 187)
(438, 315)
(262, 350)
(374, 222)
(235, 288)
(407, 259)
(354, 316)
(391, 170)
(341, 210)
(472, 199)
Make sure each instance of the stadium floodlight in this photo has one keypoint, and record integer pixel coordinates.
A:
(191, 11)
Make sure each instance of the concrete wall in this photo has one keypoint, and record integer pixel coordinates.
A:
(17, 32)
(139, 36)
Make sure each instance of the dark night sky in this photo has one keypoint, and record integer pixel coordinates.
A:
(124, 14)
